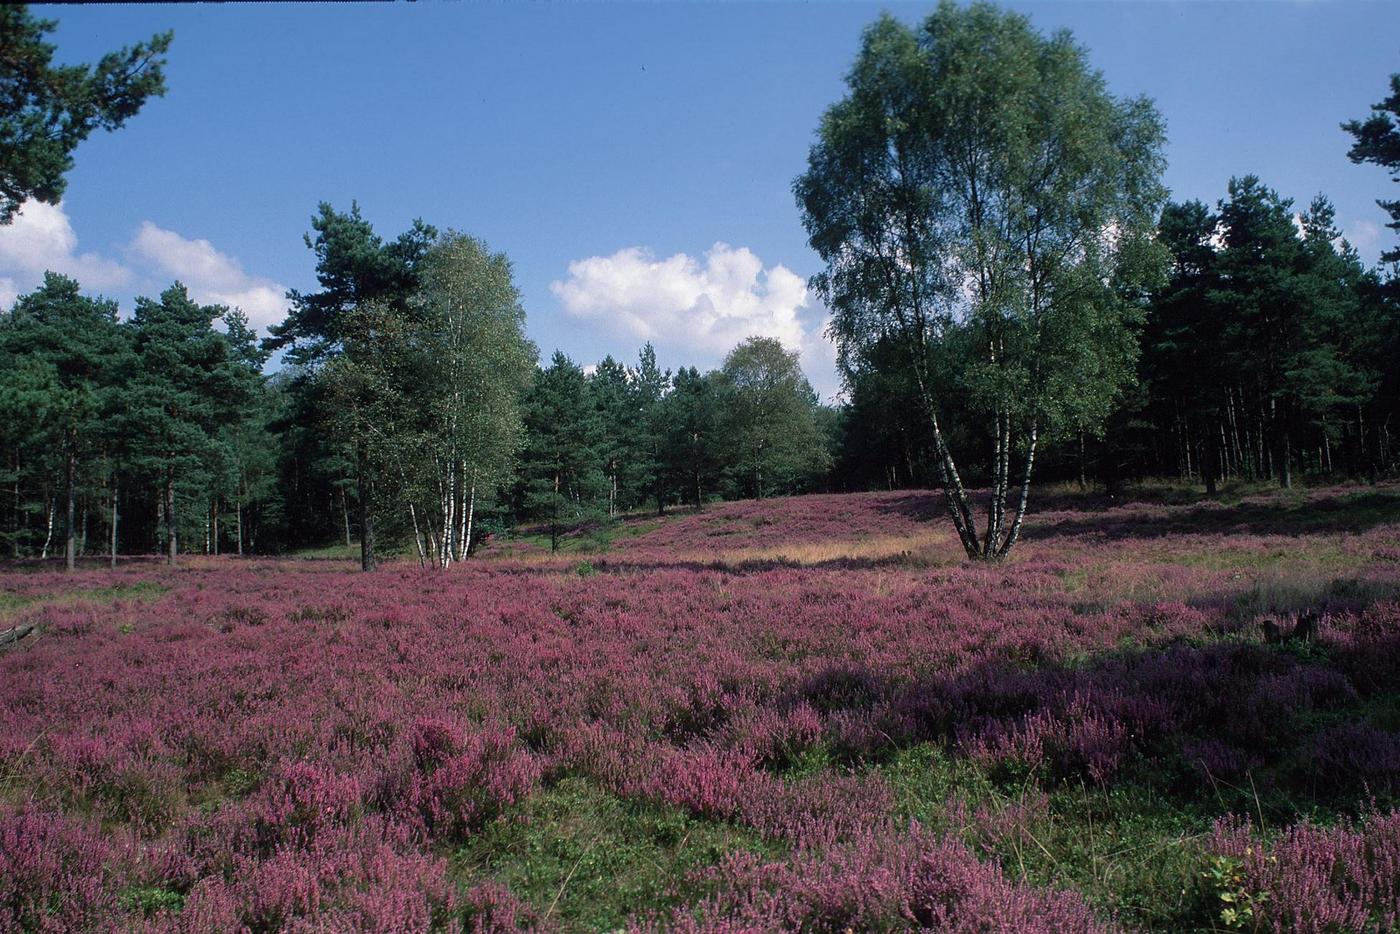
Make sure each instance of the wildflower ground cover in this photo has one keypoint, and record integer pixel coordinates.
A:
(805, 713)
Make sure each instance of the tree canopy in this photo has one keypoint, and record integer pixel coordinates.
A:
(980, 189)
(47, 110)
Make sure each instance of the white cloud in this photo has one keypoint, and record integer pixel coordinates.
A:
(211, 276)
(710, 304)
(41, 239)
(698, 306)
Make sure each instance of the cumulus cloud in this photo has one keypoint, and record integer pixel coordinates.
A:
(42, 238)
(211, 276)
(698, 305)
(710, 303)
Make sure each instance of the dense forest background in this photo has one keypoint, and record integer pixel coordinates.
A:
(1268, 354)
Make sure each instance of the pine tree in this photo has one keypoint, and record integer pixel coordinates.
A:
(562, 481)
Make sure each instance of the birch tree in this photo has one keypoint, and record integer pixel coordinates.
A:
(979, 190)
(471, 363)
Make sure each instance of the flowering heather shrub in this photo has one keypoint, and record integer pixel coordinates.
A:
(355, 879)
(491, 909)
(52, 874)
(1318, 879)
(463, 781)
(885, 882)
(290, 744)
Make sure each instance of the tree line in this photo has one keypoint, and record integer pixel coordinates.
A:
(1268, 350)
(410, 408)
(1012, 292)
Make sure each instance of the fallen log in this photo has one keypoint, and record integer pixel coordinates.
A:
(15, 634)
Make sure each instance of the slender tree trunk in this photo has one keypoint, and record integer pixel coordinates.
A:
(238, 517)
(1083, 481)
(114, 522)
(959, 509)
(367, 562)
(471, 518)
(172, 533)
(14, 545)
(1209, 460)
(1015, 533)
(48, 536)
(70, 545)
(345, 511)
(554, 517)
(417, 536)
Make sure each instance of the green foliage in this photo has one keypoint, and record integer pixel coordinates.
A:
(354, 266)
(1377, 141)
(1225, 877)
(346, 341)
(48, 110)
(691, 435)
(191, 415)
(151, 900)
(561, 471)
(1267, 336)
(587, 861)
(70, 361)
(982, 200)
(464, 364)
(768, 420)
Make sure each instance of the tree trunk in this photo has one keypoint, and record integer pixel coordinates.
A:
(367, 562)
(554, 517)
(1209, 461)
(417, 536)
(238, 517)
(1083, 481)
(172, 535)
(14, 545)
(70, 546)
(48, 536)
(1015, 533)
(345, 512)
(471, 518)
(114, 522)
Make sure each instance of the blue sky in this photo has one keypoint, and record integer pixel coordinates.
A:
(634, 160)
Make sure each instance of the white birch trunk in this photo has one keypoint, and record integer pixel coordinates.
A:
(48, 538)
